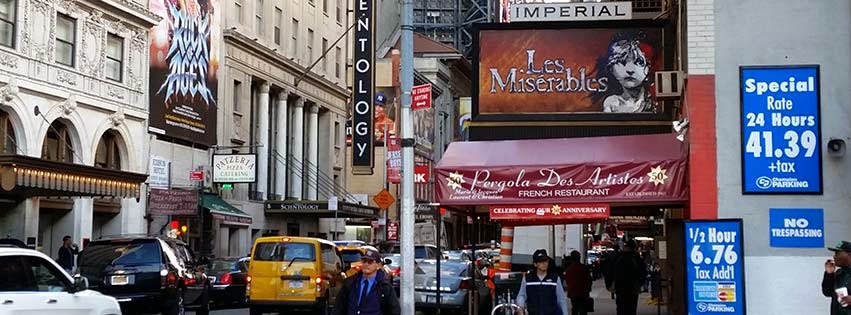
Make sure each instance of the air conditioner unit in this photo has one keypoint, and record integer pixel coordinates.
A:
(669, 84)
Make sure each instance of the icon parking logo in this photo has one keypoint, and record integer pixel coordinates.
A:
(701, 307)
(763, 182)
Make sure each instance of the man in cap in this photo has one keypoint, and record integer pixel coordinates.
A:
(382, 120)
(369, 292)
(837, 281)
(541, 290)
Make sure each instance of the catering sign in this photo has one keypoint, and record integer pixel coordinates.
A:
(234, 168)
(781, 128)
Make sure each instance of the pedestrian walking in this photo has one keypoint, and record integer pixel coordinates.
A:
(628, 274)
(369, 292)
(578, 281)
(541, 290)
(67, 253)
(837, 281)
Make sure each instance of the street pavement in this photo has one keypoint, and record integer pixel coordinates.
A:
(603, 303)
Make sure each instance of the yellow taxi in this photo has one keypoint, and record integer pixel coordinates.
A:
(293, 272)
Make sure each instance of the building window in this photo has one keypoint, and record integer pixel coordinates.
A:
(237, 86)
(258, 16)
(238, 9)
(338, 63)
(66, 34)
(7, 132)
(107, 155)
(324, 60)
(7, 22)
(279, 21)
(339, 11)
(294, 44)
(337, 134)
(57, 144)
(310, 45)
(114, 57)
(325, 7)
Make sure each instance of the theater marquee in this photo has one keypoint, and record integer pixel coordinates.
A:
(569, 71)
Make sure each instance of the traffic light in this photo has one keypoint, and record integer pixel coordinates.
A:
(174, 225)
(184, 228)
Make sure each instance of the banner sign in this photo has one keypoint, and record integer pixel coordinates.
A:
(715, 280)
(160, 172)
(394, 160)
(781, 130)
(559, 11)
(550, 211)
(363, 89)
(604, 73)
(173, 202)
(184, 64)
(796, 228)
(587, 183)
(234, 168)
(392, 231)
(421, 97)
(421, 172)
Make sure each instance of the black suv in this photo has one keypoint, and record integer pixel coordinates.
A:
(146, 274)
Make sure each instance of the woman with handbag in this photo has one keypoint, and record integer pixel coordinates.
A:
(578, 279)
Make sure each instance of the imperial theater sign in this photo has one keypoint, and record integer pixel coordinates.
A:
(526, 11)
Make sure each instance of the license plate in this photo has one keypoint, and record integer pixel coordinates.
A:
(118, 280)
(296, 285)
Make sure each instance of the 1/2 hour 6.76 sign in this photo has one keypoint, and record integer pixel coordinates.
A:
(781, 125)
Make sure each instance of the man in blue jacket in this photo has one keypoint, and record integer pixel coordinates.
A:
(541, 291)
(369, 292)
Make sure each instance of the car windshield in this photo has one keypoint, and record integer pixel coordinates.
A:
(95, 258)
(447, 269)
(351, 255)
(223, 265)
(284, 252)
(420, 252)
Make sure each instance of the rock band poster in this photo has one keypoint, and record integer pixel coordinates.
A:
(570, 71)
(184, 61)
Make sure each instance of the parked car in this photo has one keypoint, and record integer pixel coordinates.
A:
(393, 262)
(459, 281)
(293, 272)
(421, 252)
(31, 282)
(351, 256)
(147, 274)
(228, 277)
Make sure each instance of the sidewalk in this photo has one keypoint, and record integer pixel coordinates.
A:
(605, 305)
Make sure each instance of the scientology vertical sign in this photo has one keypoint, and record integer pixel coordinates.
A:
(715, 279)
(364, 88)
(781, 124)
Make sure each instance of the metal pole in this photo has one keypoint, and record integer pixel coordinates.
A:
(437, 221)
(407, 82)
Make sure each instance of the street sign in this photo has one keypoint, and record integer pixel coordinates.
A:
(196, 176)
(384, 199)
(393, 231)
(421, 97)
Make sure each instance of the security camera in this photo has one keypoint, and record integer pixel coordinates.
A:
(836, 147)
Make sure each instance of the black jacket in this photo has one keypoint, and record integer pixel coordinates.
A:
(66, 256)
(382, 294)
(829, 283)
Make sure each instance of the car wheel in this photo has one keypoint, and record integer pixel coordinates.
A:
(323, 307)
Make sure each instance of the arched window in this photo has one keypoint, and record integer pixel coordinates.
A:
(107, 155)
(8, 144)
(57, 144)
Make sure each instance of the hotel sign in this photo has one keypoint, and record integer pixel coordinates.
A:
(363, 89)
(528, 12)
(234, 168)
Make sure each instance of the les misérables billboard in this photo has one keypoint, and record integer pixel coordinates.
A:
(184, 61)
(569, 71)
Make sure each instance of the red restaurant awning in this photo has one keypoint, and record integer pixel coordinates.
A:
(615, 170)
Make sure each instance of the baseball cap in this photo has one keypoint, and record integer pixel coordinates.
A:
(843, 246)
(540, 255)
(380, 99)
(371, 255)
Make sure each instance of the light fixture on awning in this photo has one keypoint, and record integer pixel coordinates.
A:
(31, 176)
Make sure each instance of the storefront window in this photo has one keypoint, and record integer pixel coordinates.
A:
(57, 144)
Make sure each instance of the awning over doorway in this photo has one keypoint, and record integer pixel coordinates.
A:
(631, 169)
(26, 176)
(224, 211)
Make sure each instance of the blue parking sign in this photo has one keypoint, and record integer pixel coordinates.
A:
(781, 130)
(796, 228)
